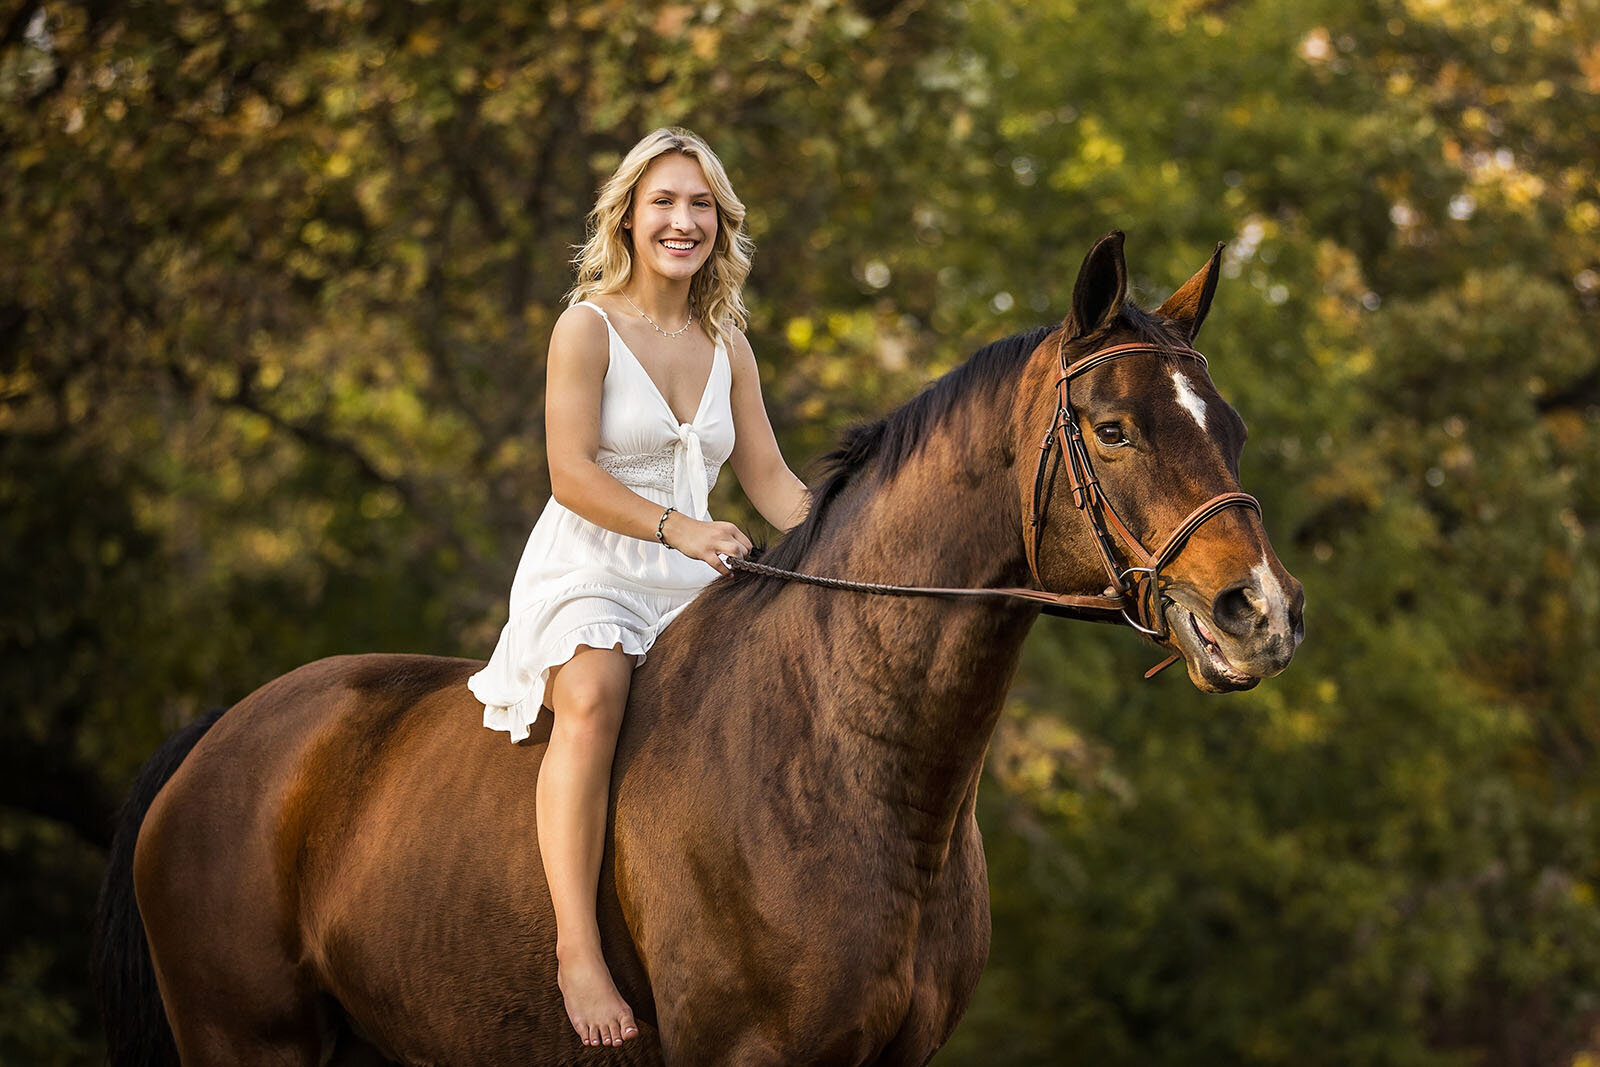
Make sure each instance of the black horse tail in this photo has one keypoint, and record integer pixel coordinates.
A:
(124, 978)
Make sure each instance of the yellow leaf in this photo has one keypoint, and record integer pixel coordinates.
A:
(799, 333)
(705, 40)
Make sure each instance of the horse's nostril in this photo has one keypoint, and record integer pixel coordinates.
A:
(1239, 610)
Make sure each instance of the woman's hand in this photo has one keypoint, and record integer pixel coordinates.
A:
(705, 541)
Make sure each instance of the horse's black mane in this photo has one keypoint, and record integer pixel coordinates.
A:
(883, 446)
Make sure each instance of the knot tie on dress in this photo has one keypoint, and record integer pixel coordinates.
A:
(689, 490)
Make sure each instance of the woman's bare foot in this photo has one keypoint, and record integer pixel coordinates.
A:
(596, 1009)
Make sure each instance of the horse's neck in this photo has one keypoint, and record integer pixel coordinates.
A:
(916, 684)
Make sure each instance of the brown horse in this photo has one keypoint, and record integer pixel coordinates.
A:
(344, 867)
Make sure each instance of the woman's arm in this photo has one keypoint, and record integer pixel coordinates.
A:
(766, 479)
(574, 383)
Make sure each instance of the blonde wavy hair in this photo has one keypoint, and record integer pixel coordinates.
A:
(605, 260)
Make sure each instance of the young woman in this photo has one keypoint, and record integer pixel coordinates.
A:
(651, 386)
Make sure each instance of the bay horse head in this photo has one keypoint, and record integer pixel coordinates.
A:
(1136, 493)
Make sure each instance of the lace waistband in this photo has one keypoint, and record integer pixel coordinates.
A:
(650, 470)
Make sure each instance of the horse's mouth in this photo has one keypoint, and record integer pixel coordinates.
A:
(1209, 667)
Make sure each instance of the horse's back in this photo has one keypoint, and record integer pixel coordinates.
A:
(209, 865)
(319, 731)
(222, 814)
(339, 828)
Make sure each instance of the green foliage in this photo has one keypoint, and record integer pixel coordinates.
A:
(277, 284)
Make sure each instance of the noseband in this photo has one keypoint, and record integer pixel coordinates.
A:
(1134, 591)
(1135, 586)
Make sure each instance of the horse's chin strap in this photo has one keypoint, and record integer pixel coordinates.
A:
(1135, 584)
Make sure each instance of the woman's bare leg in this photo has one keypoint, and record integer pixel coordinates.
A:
(589, 692)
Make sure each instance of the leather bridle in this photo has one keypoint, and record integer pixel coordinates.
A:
(1134, 572)
(1134, 591)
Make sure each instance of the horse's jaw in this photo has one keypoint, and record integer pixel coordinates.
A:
(1210, 666)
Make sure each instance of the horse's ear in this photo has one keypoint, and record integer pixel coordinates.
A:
(1188, 306)
(1101, 288)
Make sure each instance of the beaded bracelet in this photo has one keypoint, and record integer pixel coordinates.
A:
(661, 526)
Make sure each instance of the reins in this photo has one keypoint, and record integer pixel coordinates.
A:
(1134, 586)
(1061, 605)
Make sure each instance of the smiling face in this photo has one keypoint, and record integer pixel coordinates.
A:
(673, 220)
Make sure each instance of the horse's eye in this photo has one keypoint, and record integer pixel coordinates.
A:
(1110, 434)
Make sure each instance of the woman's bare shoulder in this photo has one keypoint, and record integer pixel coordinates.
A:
(740, 354)
(580, 337)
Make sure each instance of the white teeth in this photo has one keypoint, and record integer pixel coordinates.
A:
(1214, 652)
(682, 246)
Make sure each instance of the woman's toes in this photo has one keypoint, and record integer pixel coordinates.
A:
(629, 1029)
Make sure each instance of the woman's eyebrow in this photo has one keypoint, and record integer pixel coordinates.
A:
(706, 193)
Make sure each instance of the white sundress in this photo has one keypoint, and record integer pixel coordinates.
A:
(581, 584)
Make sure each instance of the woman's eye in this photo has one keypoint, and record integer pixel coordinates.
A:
(1110, 434)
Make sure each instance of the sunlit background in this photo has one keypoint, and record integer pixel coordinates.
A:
(276, 282)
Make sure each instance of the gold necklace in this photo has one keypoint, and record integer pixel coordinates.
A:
(675, 333)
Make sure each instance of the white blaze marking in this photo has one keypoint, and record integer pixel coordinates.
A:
(1271, 589)
(1191, 401)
